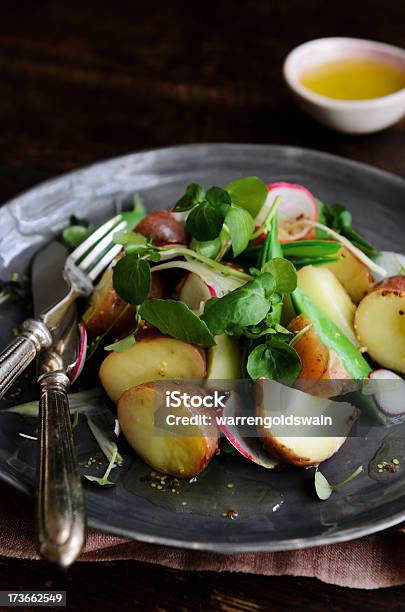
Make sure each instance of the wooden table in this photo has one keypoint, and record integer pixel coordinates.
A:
(84, 81)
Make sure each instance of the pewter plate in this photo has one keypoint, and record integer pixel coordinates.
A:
(276, 510)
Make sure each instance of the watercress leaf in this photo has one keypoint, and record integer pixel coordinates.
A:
(194, 195)
(121, 345)
(132, 279)
(75, 235)
(205, 221)
(128, 237)
(260, 363)
(284, 274)
(175, 319)
(287, 361)
(249, 193)
(267, 281)
(244, 306)
(240, 225)
(208, 248)
(218, 197)
(322, 486)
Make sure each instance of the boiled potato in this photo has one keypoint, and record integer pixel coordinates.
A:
(105, 306)
(187, 451)
(325, 290)
(380, 323)
(297, 444)
(322, 372)
(353, 274)
(162, 228)
(154, 357)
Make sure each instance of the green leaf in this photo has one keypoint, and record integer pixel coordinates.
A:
(207, 248)
(324, 489)
(205, 221)
(175, 319)
(244, 306)
(249, 193)
(284, 274)
(194, 195)
(260, 363)
(132, 279)
(322, 486)
(340, 220)
(121, 345)
(74, 235)
(129, 237)
(276, 360)
(240, 225)
(218, 197)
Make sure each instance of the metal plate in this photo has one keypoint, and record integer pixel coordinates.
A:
(276, 511)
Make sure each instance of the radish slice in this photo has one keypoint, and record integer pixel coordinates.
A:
(193, 291)
(207, 284)
(248, 446)
(76, 369)
(390, 396)
(297, 204)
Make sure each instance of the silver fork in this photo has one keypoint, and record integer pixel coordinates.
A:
(82, 268)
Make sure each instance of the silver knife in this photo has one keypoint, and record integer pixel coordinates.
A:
(60, 516)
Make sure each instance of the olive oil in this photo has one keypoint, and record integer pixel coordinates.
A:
(352, 79)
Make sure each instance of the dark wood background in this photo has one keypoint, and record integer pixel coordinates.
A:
(84, 81)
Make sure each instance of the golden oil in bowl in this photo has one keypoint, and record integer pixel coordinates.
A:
(354, 79)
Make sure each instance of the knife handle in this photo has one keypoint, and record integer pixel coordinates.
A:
(60, 522)
(17, 356)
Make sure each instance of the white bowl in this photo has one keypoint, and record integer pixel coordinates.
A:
(350, 116)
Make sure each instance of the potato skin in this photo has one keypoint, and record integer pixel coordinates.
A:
(105, 305)
(137, 408)
(162, 228)
(380, 323)
(318, 363)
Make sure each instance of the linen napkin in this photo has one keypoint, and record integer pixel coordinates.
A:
(372, 562)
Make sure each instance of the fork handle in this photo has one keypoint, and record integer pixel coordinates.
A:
(17, 356)
(60, 522)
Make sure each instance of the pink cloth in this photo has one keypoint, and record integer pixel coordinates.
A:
(372, 562)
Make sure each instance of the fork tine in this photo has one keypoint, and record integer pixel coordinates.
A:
(105, 261)
(100, 247)
(94, 238)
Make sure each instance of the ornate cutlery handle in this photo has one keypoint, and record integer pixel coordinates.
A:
(60, 518)
(17, 356)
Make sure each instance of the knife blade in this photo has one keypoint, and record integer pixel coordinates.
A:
(48, 282)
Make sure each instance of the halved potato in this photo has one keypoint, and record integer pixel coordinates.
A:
(325, 290)
(380, 323)
(353, 274)
(154, 357)
(294, 443)
(322, 372)
(105, 306)
(180, 450)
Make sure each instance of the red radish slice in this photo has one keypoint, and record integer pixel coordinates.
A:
(390, 395)
(77, 368)
(193, 291)
(297, 204)
(248, 446)
(201, 284)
